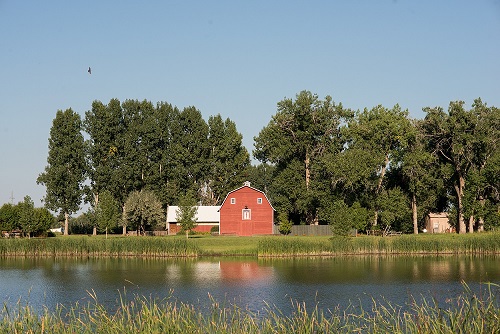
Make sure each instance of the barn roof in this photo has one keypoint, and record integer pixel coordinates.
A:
(205, 214)
(247, 185)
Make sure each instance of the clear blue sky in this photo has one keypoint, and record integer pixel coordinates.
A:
(236, 58)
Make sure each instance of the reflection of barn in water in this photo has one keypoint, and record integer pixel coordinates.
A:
(235, 271)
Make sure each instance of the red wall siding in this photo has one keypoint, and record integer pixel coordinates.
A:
(175, 228)
(231, 215)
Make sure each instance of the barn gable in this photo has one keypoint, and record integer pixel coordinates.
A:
(246, 211)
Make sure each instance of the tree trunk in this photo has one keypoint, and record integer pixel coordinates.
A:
(96, 202)
(308, 171)
(471, 224)
(414, 213)
(383, 169)
(480, 227)
(459, 189)
(124, 221)
(66, 223)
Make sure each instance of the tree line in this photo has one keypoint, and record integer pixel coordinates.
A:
(319, 162)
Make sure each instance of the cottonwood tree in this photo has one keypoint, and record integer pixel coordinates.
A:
(105, 128)
(228, 160)
(143, 210)
(462, 140)
(299, 133)
(375, 139)
(188, 153)
(66, 170)
(418, 174)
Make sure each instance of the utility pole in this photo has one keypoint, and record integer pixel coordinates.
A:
(12, 197)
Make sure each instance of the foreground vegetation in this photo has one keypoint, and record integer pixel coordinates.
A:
(264, 246)
(468, 313)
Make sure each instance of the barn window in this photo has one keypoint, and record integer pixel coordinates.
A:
(233, 200)
(259, 200)
(246, 214)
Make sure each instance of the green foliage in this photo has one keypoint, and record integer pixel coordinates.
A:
(344, 218)
(295, 139)
(285, 225)
(65, 173)
(463, 141)
(107, 212)
(143, 210)
(394, 210)
(9, 217)
(228, 160)
(27, 215)
(43, 220)
(185, 214)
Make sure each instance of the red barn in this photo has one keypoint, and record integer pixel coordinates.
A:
(246, 211)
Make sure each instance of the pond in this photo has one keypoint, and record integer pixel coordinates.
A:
(247, 282)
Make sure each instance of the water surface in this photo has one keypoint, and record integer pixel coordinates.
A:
(247, 282)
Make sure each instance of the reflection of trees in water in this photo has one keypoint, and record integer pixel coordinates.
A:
(361, 269)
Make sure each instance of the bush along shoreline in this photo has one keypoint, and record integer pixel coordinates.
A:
(259, 246)
(467, 313)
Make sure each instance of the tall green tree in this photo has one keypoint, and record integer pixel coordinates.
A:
(143, 210)
(27, 216)
(107, 212)
(161, 174)
(463, 140)
(301, 132)
(189, 152)
(228, 160)
(105, 128)
(66, 170)
(418, 175)
(43, 219)
(374, 141)
(9, 217)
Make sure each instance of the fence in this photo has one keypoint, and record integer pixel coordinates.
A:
(311, 230)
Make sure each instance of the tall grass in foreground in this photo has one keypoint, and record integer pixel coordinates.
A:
(479, 243)
(466, 314)
(98, 247)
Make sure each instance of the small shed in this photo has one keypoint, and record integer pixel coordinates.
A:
(438, 223)
(206, 218)
(246, 211)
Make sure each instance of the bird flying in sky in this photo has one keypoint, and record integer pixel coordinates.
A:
(89, 70)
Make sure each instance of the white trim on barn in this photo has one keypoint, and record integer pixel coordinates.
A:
(246, 184)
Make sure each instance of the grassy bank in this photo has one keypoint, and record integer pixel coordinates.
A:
(271, 246)
(484, 243)
(83, 246)
(467, 313)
